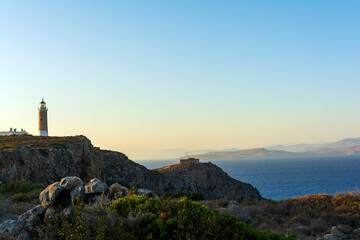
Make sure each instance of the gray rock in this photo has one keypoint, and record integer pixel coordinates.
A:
(48, 196)
(70, 182)
(9, 226)
(117, 191)
(69, 212)
(320, 238)
(31, 219)
(96, 186)
(356, 233)
(232, 203)
(331, 237)
(345, 228)
(23, 235)
(94, 199)
(244, 218)
(335, 231)
(77, 191)
(147, 192)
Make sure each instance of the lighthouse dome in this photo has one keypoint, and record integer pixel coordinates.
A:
(42, 103)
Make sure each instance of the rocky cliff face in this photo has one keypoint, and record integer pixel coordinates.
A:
(48, 159)
(208, 179)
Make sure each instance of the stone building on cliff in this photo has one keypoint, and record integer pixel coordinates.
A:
(189, 160)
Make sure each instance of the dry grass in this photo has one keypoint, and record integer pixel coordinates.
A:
(10, 210)
(10, 142)
(309, 216)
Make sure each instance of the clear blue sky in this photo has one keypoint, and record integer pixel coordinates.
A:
(139, 76)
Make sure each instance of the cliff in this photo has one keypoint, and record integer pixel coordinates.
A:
(208, 179)
(48, 159)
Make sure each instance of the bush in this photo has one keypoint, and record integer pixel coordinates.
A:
(20, 197)
(18, 187)
(196, 196)
(135, 217)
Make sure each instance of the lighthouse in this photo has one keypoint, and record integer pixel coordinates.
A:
(43, 126)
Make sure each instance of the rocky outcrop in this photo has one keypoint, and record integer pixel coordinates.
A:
(49, 159)
(56, 199)
(342, 232)
(208, 179)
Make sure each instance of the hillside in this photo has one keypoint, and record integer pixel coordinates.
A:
(209, 179)
(48, 159)
(339, 151)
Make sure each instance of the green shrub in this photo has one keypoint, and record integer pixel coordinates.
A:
(20, 197)
(43, 152)
(18, 187)
(196, 196)
(140, 217)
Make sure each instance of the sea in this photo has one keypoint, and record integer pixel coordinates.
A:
(289, 177)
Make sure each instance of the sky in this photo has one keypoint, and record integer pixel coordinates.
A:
(142, 76)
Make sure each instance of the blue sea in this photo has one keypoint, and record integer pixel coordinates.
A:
(281, 178)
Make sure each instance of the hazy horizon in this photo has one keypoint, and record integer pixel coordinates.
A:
(141, 77)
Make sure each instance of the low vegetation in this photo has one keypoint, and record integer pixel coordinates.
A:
(17, 197)
(177, 216)
(135, 217)
(8, 143)
(18, 187)
(309, 216)
(195, 196)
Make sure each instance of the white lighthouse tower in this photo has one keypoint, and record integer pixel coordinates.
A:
(43, 126)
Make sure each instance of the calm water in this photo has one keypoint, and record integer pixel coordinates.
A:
(282, 178)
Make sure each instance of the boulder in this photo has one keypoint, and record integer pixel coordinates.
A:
(24, 235)
(117, 191)
(69, 212)
(31, 219)
(94, 199)
(96, 186)
(232, 203)
(335, 231)
(356, 233)
(147, 192)
(345, 228)
(77, 191)
(244, 218)
(9, 226)
(70, 182)
(51, 213)
(331, 237)
(48, 196)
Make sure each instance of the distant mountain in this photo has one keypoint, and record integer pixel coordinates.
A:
(301, 147)
(348, 142)
(306, 147)
(249, 153)
(340, 151)
(176, 152)
(265, 153)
